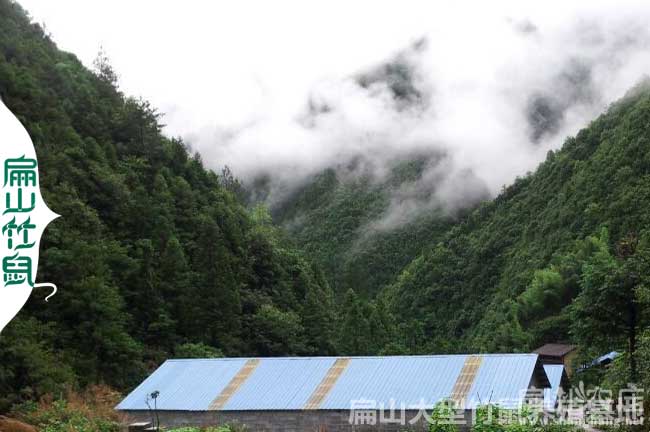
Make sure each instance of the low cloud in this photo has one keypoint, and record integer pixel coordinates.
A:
(484, 105)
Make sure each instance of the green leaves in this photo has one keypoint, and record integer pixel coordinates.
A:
(442, 417)
(278, 333)
(155, 256)
(196, 350)
(529, 244)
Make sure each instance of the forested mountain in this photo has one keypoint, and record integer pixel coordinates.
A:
(504, 277)
(154, 257)
(372, 211)
(486, 277)
(508, 274)
(332, 219)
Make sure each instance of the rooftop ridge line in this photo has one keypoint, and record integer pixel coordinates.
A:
(356, 357)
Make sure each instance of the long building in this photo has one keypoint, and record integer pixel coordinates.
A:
(330, 393)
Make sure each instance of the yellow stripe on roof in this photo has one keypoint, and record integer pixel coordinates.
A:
(246, 371)
(333, 374)
(465, 379)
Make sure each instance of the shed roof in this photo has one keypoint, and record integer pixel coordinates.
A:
(606, 358)
(289, 383)
(556, 375)
(555, 349)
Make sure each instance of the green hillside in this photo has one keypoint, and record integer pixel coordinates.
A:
(157, 257)
(154, 257)
(503, 278)
(333, 220)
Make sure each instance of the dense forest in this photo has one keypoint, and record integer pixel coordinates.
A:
(331, 218)
(506, 276)
(156, 256)
(498, 277)
(511, 273)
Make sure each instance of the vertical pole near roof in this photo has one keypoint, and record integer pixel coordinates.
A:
(333, 374)
(246, 371)
(465, 379)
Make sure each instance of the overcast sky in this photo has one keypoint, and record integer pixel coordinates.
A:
(228, 61)
(225, 62)
(234, 77)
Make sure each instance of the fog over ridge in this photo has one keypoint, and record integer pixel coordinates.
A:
(493, 117)
(284, 90)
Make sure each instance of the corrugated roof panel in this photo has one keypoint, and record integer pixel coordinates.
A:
(288, 383)
(502, 379)
(184, 384)
(280, 384)
(554, 374)
(466, 378)
(327, 383)
(233, 386)
(408, 380)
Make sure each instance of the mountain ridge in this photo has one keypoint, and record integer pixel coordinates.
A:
(156, 256)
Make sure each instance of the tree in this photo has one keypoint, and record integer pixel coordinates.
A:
(154, 256)
(103, 68)
(319, 320)
(26, 363)
(278, 332)
(543, 296)
(215, 310)
(609, 310)
(232, 184)
(196, 350)
(382, 325)
(354, 336)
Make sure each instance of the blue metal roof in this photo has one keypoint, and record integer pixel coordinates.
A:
(280, 384)
(607, 358)
(407, 380)
(502, 379)
(602, 360)
(554, 374)
(287, 383)
(184, 384)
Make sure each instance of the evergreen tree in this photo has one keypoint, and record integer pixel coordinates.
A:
(608, 312)
(355, 329)
(320, 320)
(154, 256)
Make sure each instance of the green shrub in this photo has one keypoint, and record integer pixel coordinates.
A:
(60, 417)
(487, 419)
(442, 417)
(197, 350)
(491, 418)
(87, 411)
